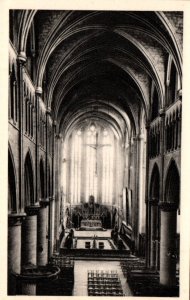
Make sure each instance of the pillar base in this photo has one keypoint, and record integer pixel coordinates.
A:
(32, 275)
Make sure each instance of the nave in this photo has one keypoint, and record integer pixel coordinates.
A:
(94, 152)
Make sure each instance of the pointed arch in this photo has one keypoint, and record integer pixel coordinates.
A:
(155, 105)
(172, 81)
(12, 199)
(154, 229)
(172, 186)
(28, 180)
(31, 51)
(13, 94)
(25, 23)
(155, 183)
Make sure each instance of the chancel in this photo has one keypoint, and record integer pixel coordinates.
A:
(95, 101)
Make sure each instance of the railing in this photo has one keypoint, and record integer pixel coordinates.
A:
(173, 108)
(173, 127)
(103, 253)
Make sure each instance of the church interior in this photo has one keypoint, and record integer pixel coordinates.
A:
(94, 152)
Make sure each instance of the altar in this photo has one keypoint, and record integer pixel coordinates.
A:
(91, 216)
(91, 225)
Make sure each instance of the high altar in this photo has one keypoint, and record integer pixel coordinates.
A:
(90, 216)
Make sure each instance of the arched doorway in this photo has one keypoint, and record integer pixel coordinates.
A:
(154, 217)
(172, 194)
(169, 243)
(12, 207)
(28, 181)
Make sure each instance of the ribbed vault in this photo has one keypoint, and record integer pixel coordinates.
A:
(101, 63)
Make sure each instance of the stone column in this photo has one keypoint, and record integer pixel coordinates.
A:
(28, 288)
(168, 244)
(135, 200)
(139, 183)
(153, 230)
(14, 249)
(29, 236)
(21, 59)
(41, 234)
(37, 132)
(50, 232)
(162, 151)
(147, 251)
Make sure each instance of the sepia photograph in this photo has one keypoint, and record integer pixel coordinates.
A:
(94, 106)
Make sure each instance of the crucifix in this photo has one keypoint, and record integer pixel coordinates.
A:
(97, 146)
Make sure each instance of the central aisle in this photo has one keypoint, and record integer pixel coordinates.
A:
(81, 272)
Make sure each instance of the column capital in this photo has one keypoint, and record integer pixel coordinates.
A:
(153, 202)
(51, 199)
(168, 206)
(162, 112)
(44, 202)
(48, 111)
(32, 210)
(22, 57)
(139, 137)
(38, 90)
(16, 219)
(179, 94)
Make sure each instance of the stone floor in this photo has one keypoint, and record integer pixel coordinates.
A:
(90, 234)
(81, 275)
(81, 243)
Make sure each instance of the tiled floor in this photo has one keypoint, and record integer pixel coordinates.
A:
(81, 270)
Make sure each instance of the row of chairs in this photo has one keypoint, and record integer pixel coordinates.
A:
(105, 294)
(62, 261)
(102, 273)
(132, 264)
(104, 283)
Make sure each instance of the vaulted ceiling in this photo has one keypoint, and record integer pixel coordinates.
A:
(102, 64)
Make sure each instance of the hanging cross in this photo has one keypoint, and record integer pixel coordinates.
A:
(97, 146)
